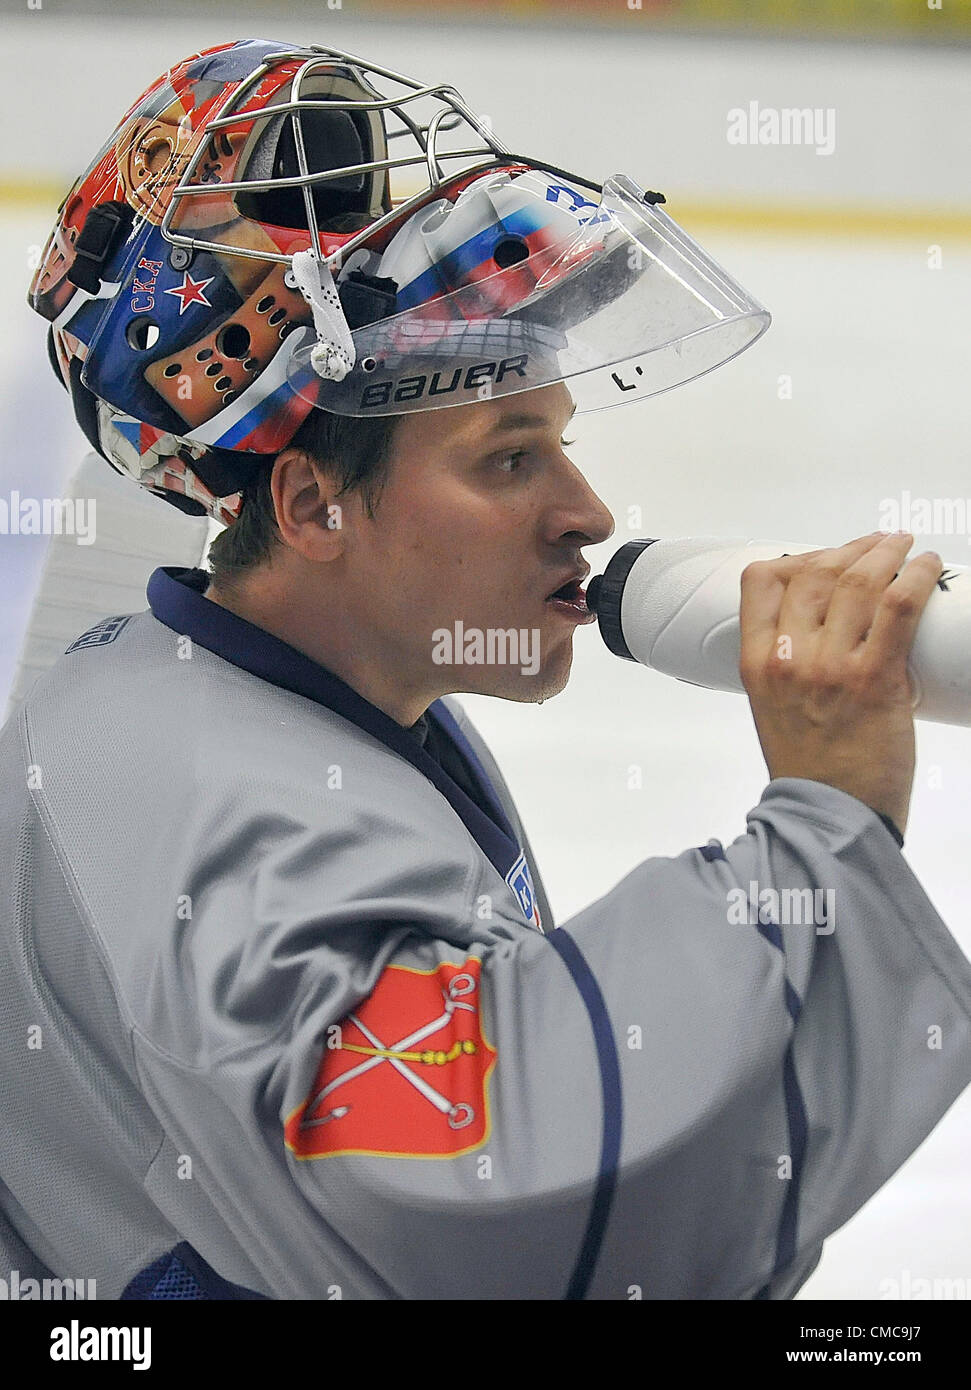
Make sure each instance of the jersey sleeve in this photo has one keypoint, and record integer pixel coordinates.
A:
(390, 1087)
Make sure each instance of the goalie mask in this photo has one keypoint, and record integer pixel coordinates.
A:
(272, 229)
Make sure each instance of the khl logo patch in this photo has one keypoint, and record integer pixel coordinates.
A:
(521, 882)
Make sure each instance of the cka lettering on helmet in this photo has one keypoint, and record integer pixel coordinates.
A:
(143, 289)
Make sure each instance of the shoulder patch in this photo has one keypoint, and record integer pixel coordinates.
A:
(405, 1075)
(104, 631)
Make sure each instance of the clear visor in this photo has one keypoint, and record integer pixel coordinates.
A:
(625, 308)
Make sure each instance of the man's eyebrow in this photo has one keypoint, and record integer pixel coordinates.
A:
(522, 421)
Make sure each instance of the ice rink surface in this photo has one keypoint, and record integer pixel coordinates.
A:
(873, 342)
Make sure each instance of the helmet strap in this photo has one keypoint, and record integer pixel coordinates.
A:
(104, 227)
(334, 355)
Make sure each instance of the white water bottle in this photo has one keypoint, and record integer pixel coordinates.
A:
(673, 606)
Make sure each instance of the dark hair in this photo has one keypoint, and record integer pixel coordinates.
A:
(355, 449)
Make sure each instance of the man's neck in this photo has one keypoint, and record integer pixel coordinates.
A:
(272, 612)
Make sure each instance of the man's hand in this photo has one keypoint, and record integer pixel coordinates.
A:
(825, 642)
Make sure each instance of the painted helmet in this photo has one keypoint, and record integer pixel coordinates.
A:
(271, 230)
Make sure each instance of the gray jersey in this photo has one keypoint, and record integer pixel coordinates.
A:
(282, 1005)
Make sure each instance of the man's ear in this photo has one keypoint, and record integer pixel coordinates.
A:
(307, 514)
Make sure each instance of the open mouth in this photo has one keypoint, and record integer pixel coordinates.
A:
(571, 598)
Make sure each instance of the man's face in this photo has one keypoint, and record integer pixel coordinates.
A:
(482, 517)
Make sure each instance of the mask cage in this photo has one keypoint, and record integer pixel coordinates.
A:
(426, 116)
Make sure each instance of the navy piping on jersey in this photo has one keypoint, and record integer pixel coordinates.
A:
(613, 1111)
(444, 718)
(796, 1122)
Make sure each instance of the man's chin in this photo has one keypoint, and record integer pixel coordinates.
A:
(523, 686)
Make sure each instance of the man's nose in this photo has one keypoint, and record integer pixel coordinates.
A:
(587, 516)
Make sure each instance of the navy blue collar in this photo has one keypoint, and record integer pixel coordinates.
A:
(176, 598)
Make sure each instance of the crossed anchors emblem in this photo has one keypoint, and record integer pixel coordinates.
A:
(404, 1056)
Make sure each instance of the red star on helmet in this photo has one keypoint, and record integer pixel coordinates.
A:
(191, 292)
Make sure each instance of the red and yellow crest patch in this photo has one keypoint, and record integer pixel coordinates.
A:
(406, 1074)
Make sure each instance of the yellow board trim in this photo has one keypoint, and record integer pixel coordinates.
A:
(830, 220)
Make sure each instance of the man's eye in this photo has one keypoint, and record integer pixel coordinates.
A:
(567, 443)
(514, 458)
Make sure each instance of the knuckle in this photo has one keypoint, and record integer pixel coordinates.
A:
(756, 571)
(853, 581)
(825, 675)
(874, 673)
(780, 670)
(826, 565)
(815, 588)
(862, 685)
(844, 673)
(750, 675)
(751, 668)
(901, 603)
(749, 663)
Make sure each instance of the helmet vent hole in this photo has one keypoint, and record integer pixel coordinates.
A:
(277, 316)
(267, 302)
(142, 334)
(233, 340)
(510, 251)
(156, 155)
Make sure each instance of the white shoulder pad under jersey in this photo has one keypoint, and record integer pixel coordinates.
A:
(306, 1030)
